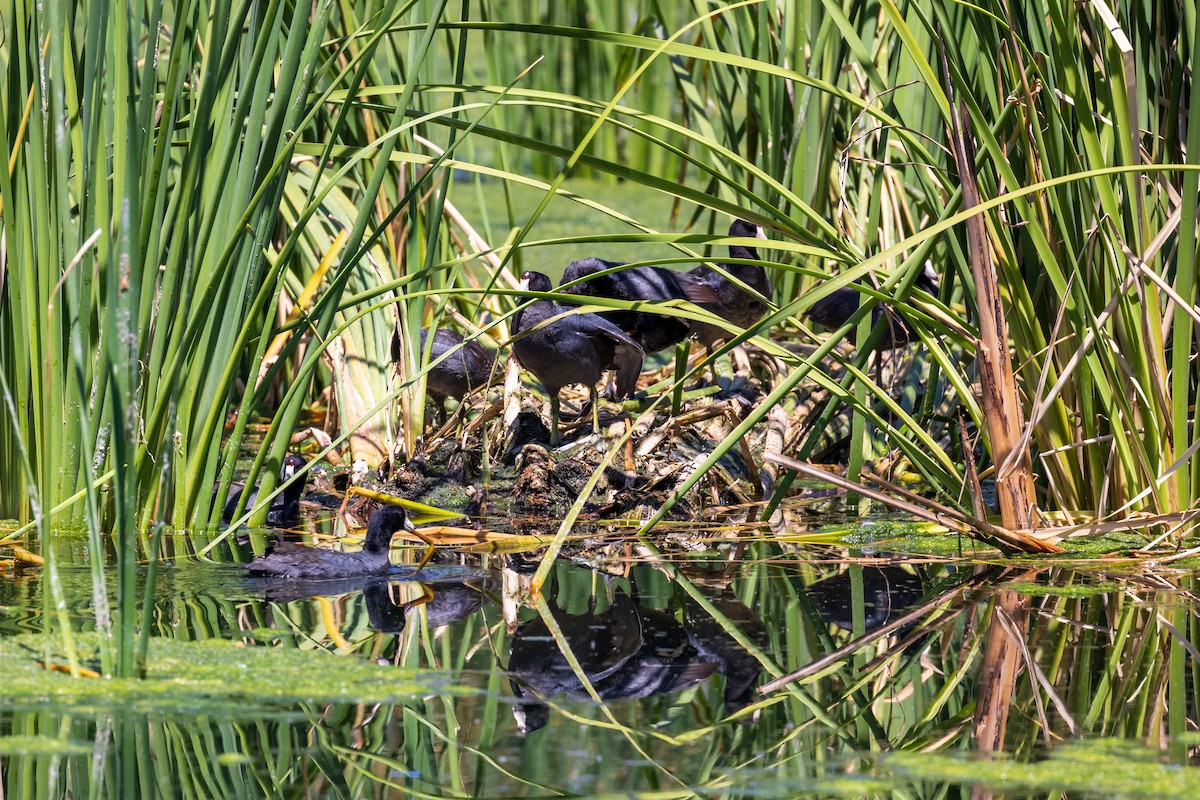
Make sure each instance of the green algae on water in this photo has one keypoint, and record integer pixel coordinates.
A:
(211, 672)
(1075, 590)
(1102, 767)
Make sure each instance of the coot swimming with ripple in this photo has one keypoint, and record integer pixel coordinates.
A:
(576, 348)
(289, 560)
(286, 505)
(653, 332)
(736, 304)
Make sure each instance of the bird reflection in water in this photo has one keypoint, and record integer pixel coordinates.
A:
(888, 592)
(443, 603)
(630, 651)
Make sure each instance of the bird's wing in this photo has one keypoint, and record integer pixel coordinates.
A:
(696, 289)
(627, 353)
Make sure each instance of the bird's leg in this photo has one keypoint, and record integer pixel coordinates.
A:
(428, 552)
(712, 365)
(427, 595)
(554, 420)
(595, 410)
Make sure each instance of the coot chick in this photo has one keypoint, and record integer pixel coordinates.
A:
(286, 505)
(467, 368)
(653, 332)
(834, 310)
(289, 560)
(573, 349)
(736, 304)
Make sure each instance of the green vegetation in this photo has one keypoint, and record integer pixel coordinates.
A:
(183, 674)
(189, 243)
(318, 692)
(213, 214)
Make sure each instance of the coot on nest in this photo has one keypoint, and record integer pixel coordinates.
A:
(575, 348)
(289, 560)
(653, 332)
(834, 310)
(467, 368)
(735, 304)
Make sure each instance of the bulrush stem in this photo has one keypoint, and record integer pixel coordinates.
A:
(1001, 406)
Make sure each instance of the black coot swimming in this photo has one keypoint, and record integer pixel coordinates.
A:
(286, 505)
(467, 368)
(576, 348)
(833, 310)
(653, 332)
(735, 304)
(289, 560)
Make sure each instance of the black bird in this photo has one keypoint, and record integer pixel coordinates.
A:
(653, 332)
(289, 560)
(629, 651)
(572, 349)
(602, 643)
(714, 643)
(833, 310)
(286, 505)
(467, 368)
(735, 304)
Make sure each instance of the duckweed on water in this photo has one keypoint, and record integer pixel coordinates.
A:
(907, 536)
(1112, 543)
(1105, 767)
(876, 530)
(1074, 590)
(216, 671)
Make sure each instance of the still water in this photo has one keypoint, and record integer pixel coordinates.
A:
(643, 672)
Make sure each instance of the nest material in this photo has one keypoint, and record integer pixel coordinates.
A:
(662, 451)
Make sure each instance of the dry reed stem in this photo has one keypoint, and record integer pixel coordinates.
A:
(1001, 406)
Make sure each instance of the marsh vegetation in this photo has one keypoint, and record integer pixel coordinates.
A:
(236, 231)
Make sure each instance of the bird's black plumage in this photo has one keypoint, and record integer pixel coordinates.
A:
(286, 505)
(467, 368)
(833, 310)
(735, 304)
(290, 560)
(653, 332)
(576, 348)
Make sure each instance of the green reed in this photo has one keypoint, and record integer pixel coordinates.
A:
(163, 196)
(842, 147)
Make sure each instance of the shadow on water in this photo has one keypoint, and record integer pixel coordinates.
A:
(674, 674)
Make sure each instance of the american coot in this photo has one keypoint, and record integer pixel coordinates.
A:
(629, 651)
(833, 310)
(290, 560)
(468, 368)
(713, 642)
(735, 305)
(653, 332)
(286, 505)
(887, 593)
(573, 349)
